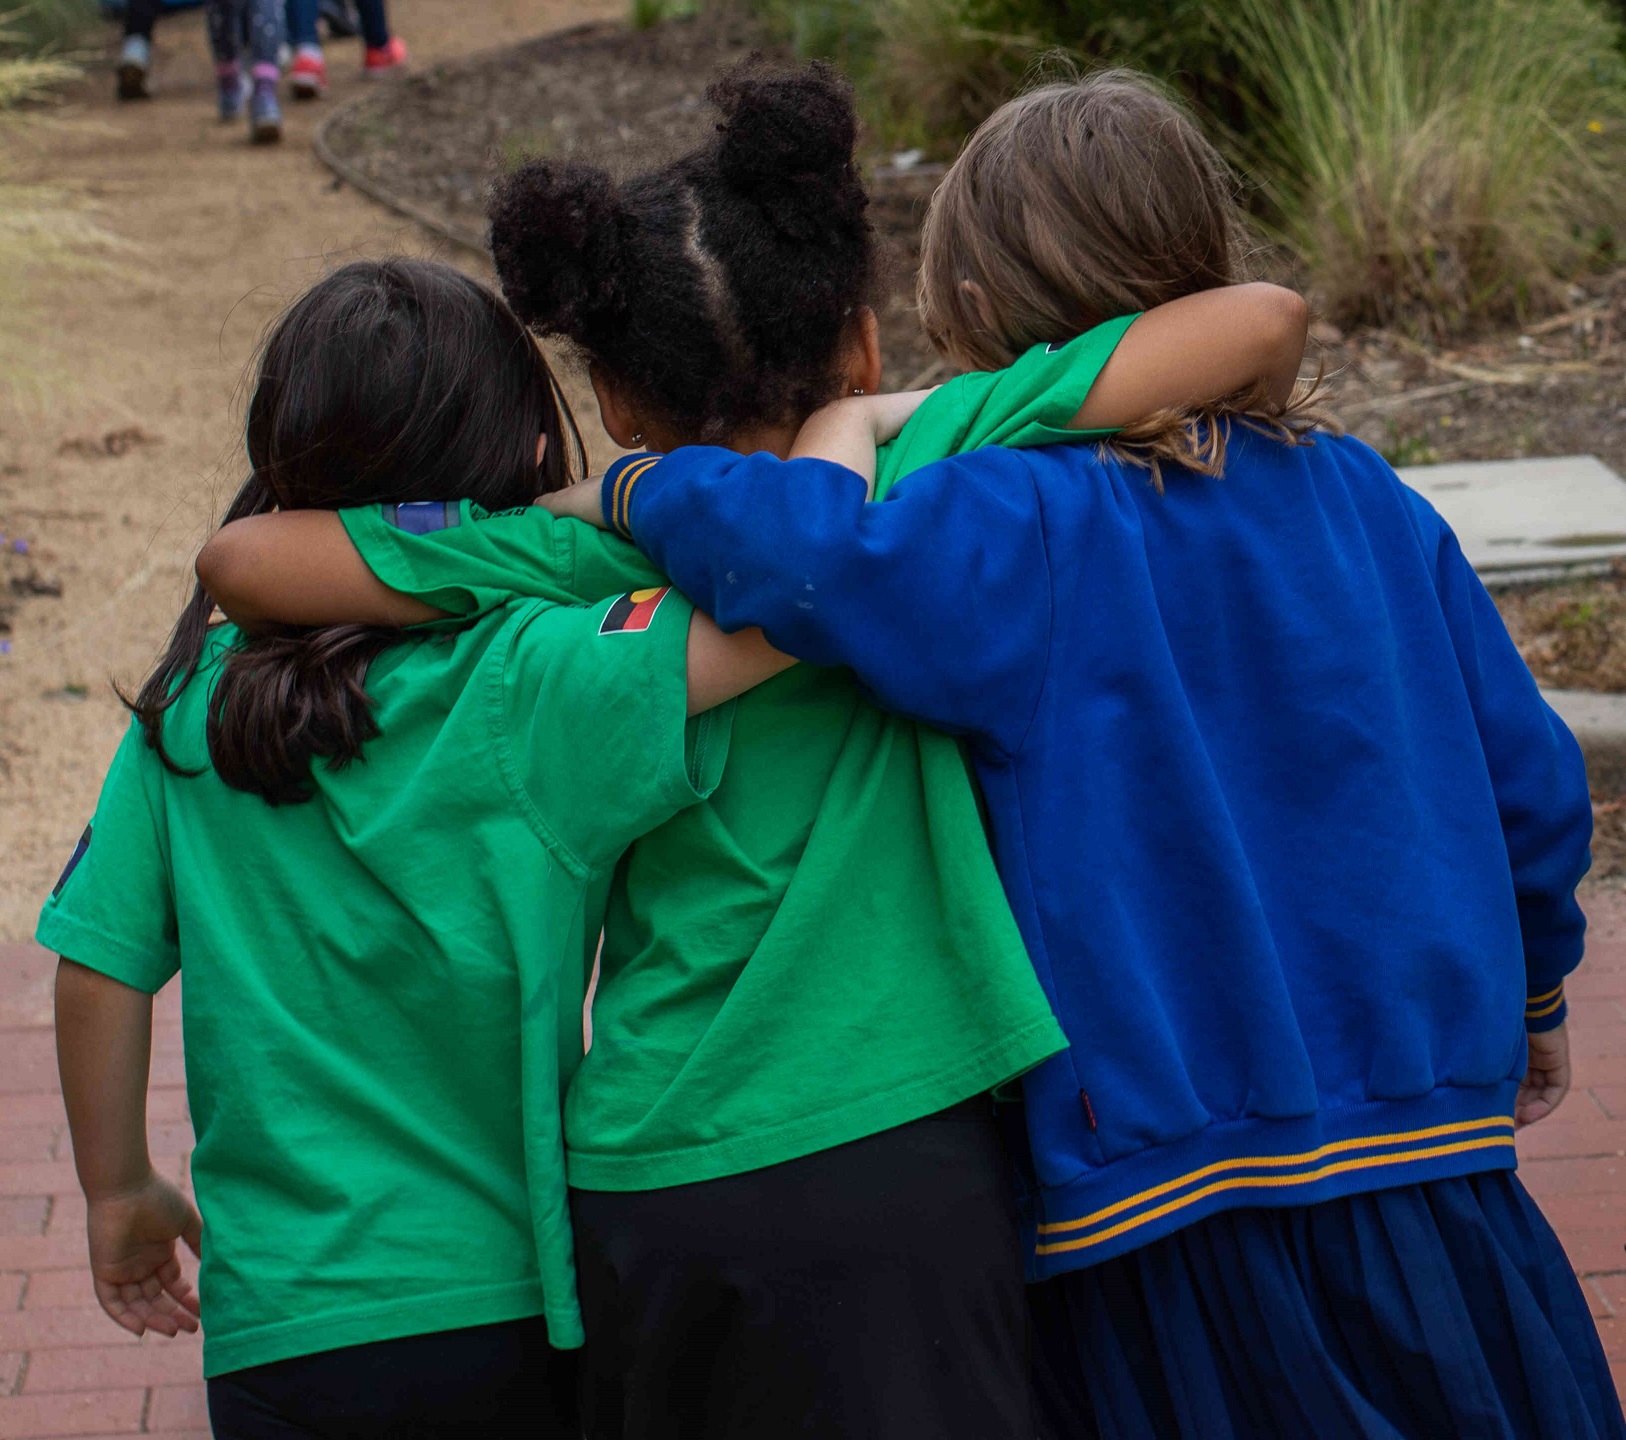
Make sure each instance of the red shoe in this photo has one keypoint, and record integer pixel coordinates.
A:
(307, 76)
(384, 58)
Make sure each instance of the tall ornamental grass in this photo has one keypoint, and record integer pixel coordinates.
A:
(40, 224)
(1431, 163)
(1438, 163)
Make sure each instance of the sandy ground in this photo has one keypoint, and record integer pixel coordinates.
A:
(226, 235)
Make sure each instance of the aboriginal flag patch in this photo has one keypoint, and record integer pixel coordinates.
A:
(424, 517)
(73, 860)
(633, 612)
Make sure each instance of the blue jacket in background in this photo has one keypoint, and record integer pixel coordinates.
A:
(1290, 833)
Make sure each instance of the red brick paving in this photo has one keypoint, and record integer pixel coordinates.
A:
(66, 1370)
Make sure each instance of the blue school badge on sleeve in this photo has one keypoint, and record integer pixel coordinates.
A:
(423, 517)
(73, 861)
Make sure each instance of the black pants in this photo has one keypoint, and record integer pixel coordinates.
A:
(871, 1292)
(491, 1382)
(140, 16)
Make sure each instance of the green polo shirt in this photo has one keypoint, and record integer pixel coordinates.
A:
(383, 986)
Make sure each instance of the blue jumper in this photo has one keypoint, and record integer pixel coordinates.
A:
(1291, 835)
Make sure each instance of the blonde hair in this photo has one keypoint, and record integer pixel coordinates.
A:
(1080, 201)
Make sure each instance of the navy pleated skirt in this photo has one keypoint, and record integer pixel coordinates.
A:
(1438, 1310)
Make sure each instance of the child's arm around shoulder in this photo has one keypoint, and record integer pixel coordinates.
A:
(299, 567)
(1199, 349)
(722, 666)
(938, 599)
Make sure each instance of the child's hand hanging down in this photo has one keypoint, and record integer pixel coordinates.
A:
(1546, 1077)
(134, 1265)
(135, 1217)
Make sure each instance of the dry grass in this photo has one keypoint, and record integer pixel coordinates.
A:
(40, 224)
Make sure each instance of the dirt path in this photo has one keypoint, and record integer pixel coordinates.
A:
(227, 234)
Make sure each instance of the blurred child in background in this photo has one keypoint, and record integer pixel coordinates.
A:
(261, 21)
(308, 76)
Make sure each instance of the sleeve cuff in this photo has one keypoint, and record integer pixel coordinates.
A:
(1545, 1009)
(108, 955)
(616, 492)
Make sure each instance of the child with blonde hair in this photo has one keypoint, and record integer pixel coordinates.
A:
(1291, 836)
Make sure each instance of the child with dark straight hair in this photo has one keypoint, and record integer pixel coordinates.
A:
(792, 1208)
(380, 860)
(1292, 838)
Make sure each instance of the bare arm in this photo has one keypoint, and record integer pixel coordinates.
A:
(298, 567)
(723, 666)
(1199, 349)
(104, 1044)
(849, 431)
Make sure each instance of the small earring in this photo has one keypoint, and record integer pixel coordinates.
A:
(638, 439)
(859, 390)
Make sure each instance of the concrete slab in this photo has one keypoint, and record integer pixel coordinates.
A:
(1528, 519)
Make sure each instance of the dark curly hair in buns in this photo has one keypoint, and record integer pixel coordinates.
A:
(717, 290)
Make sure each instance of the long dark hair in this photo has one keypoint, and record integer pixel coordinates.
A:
(719, 289)
(390, 381)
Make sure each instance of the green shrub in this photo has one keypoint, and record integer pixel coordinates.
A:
(46, 27)
(648, 13)
(1434, 164)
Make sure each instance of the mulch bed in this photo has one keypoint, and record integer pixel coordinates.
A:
(630, 99)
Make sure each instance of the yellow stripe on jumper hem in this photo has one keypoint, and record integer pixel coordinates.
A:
(1274, 1182)
(1545, 1011)
(1543, 999)
(1273, 1162)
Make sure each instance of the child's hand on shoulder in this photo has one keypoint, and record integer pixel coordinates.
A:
(848, 431)
(581, 501)
(134, 1264)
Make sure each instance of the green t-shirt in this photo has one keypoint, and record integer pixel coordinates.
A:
(1027, 405)
(382, 997)
(820, 952)
(823, 950)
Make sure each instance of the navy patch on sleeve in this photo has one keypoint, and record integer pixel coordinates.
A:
(73, 860)
(424, 517)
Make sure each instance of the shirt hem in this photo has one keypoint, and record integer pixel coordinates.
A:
(1348, 1150)
(1011, 1056)
(412, 1315)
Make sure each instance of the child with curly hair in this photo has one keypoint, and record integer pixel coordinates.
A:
(1291, 835)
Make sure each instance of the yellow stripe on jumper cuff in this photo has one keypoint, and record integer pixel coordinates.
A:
(630, 477)
(1532, 1001)
(1276, 1182)
(1533, 1012)
(1276, 1162)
